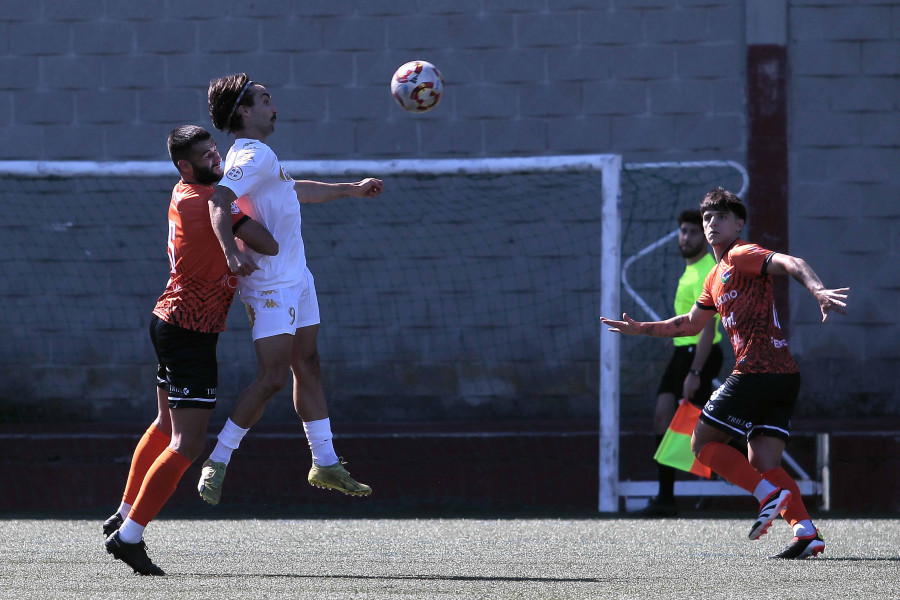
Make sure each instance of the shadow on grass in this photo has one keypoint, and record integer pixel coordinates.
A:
(498, 578)
(860, 559)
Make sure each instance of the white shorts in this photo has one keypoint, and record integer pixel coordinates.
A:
(281, 310)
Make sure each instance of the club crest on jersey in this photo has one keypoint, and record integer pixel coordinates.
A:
(234, 208)
(284, 174)
(727, 274)
(234, 173)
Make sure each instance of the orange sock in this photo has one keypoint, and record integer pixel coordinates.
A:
(159, 484)
(796, 511)
(730, 464)
(150, 446)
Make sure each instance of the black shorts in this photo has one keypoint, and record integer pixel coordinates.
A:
(187, 364)
(754, 404)
(679, 366)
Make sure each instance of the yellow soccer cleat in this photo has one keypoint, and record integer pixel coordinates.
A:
(336, 477)
(211, 479)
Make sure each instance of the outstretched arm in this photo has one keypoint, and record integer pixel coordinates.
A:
(316, 192)
(239, 262)
(829, 299)
(682, 325)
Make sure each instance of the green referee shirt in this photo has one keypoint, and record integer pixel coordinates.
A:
(689, 287)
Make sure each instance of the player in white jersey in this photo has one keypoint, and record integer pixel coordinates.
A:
(278, 291)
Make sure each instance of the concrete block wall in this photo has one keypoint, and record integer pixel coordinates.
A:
(650, 79)
(844, 211)
(108, 81)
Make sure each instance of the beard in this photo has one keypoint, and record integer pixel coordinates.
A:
(206, 176)
(692, 251)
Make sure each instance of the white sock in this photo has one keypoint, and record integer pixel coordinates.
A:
(763, 490)
(804, 528)
(229, 439)
(131, 532)
(319, 435)
(123, 509)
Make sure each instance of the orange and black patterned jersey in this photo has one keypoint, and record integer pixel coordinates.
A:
(741, 291)
(201, 287)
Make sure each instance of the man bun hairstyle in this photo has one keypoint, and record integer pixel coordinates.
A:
(720, 199)
(225, 95)
(182, 140)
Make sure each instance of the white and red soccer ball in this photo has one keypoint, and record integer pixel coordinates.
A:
(417, 86)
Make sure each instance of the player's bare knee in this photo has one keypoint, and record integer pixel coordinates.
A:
(191, 450)
(273, 382)
(764, 463)
(306, 366)
(189, 445)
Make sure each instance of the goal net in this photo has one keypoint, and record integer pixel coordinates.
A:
(653, 195)
(468, 291)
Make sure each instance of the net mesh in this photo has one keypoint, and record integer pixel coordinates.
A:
(451, 297)
(454, 295)
(652, 199)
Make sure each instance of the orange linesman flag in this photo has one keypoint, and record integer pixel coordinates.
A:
(675, 448)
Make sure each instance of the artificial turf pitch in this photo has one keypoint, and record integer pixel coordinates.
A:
(450, 558)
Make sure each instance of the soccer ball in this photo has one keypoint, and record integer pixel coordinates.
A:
(417, 86)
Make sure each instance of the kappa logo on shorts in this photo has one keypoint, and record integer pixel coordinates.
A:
(234, 173)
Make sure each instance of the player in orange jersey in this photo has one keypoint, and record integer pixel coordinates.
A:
(184, 330)
(757, 400)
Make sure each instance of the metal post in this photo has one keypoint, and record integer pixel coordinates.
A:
(823, 465)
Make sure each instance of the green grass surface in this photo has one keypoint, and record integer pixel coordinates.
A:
(450, 558)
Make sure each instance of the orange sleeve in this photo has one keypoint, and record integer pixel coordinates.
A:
(750, 259)
(705, 301)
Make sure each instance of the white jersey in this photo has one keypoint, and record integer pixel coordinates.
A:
(266, 193)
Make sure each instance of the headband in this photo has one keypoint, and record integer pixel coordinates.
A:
(238, 101)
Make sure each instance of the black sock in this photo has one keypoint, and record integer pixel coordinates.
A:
(666, 476)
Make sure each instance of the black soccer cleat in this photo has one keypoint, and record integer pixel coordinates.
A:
(805, 547)
(112, 524)
(133, 555)
(769, 509)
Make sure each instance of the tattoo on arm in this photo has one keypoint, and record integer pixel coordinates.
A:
(804, 274)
